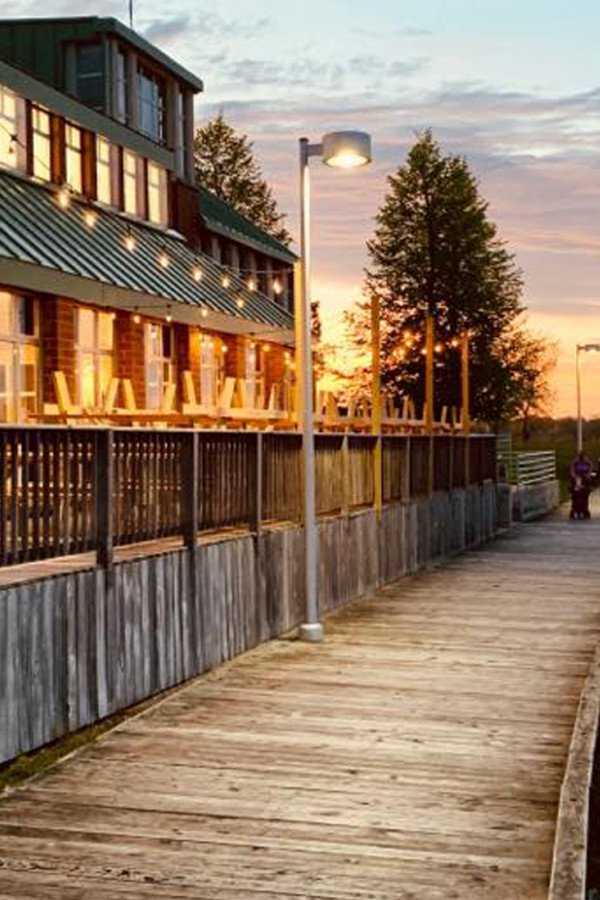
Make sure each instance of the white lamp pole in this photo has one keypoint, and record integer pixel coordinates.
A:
(346, 150)
(581, 348)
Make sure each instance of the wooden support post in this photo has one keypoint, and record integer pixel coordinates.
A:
(466, 408)
(345, 476)
(429, 409)
(429, 338)
(190, 488)
(105, 492)
(466, 411)
(376, 404)
(257, 485)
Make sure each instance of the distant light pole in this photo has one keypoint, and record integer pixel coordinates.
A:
(343, 150)
(581, 348)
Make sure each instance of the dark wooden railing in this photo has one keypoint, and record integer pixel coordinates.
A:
(65, 491)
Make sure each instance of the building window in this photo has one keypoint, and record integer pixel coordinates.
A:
(95, 345)
(130, 182)
(255, 384)
(157, 194)
(89, 75)
(151, 105)
(73, 158)
(41, 143)
(121, 86)
(160, 363)
(103, 176)
(209, 372)
(19, 358)
(12, 131)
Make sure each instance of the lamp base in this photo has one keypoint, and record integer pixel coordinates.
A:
(312, 634)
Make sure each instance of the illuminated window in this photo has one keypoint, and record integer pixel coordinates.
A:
(95, 343)
(73, 157)
(130, 182)
(208, 372)
(103, 179)
(19, 358)
(40, 130)
(157, 194)
(12, 131)
(254, 376)
(160, 363)
(151, 105)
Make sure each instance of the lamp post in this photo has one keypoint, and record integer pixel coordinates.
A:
(343, 150)
(581, 348)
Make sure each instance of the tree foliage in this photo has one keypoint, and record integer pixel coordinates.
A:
(434, 248)
(225, 165)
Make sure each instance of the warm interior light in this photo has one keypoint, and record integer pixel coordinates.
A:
(277, 286)
(197, 274)
(346, 149)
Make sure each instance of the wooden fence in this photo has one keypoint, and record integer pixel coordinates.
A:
(66, 491)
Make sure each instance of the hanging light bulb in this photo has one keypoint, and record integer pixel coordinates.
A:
(266, 348)
(136, 318)
(130, 241)
(226, 281)
(163, 258)
(277, 286)
(197, 273)
(240, 303)
(113, 316)
(90, 217)
(423, 352)
(63, 197)
(204, 312)
(251, 284)
(224, 348)
(454, 342)
(438, 348)
(168, 317)
(407, 335)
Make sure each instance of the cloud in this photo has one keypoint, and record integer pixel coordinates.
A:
(195, 29)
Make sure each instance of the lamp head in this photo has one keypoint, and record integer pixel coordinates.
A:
(346, 149)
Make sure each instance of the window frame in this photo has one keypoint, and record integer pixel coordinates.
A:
(17, 341)
(95, 350)
(38, 136)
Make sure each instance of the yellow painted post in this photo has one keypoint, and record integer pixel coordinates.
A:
(376, 402)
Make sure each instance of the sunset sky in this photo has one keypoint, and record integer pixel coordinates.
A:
(514, 86)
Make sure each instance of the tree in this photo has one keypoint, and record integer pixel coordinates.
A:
(225, 165)
(434, 248)
(531, 359)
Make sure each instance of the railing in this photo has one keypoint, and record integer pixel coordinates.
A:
(532, 467)
(66, 491)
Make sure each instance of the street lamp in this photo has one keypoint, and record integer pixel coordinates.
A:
(342, 150)
(581, 348)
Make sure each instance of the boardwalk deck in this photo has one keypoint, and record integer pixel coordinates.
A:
(416, 755)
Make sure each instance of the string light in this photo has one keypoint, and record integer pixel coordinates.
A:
(204, 312)
(113, 316)
(136, 318)
(454, 343)
(251, 284)
(63, 197)
(226, 281)
(163, 258)
(90, 217)
(266, 348)
(197, 273)
(277, 286)
(240, 303)
(438, 348)
(169, 317)
(130, 241)
(224, 348)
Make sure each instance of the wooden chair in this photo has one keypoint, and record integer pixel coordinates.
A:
(66, 408)
(110, 399)
(190, 407)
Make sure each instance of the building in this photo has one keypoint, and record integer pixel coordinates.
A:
(117, 275)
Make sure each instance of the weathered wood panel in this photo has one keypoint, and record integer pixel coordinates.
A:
(77, 647)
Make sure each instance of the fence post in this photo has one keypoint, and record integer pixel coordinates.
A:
(407, 464)
(467, 460)
(345, 467)
(189, 489)
(105, 490)
(430, 466)
(256, 485)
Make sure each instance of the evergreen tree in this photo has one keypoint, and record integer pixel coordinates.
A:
(226, 166)
(435, 249)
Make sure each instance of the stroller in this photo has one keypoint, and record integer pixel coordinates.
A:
(580, 488)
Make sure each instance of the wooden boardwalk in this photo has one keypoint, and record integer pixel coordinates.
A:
(416, 755)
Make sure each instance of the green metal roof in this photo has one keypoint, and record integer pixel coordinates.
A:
(36, 45)
(218, 216)
(35, 230)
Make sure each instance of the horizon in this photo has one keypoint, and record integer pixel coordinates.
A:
(530, 130)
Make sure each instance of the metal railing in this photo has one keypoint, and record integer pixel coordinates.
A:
(68, 490)
(532, 467)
